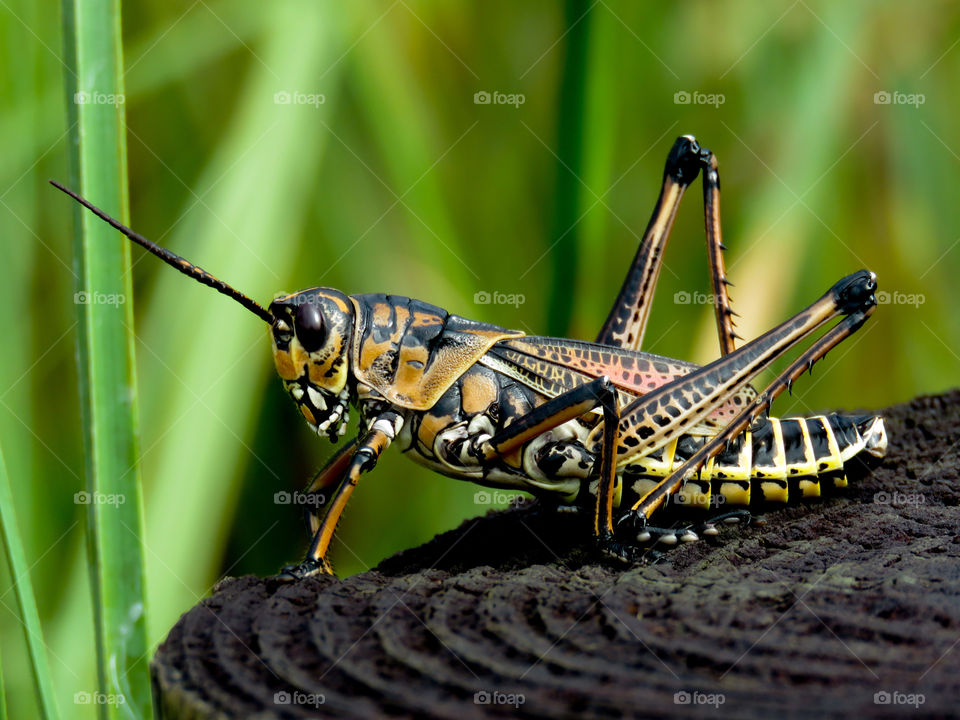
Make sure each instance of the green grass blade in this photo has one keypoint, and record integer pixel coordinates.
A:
(598, 237)
(20, 572)
(94, 83)
(565, 233)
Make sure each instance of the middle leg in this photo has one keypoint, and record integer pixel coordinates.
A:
(572, 404)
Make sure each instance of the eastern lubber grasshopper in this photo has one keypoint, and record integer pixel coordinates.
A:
(596, 425)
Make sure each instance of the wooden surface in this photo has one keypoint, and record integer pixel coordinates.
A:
(810, 615)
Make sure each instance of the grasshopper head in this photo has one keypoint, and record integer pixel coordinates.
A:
(311, 339)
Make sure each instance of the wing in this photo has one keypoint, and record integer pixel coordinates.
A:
(552, 366)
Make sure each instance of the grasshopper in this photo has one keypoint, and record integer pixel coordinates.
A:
(598, 426)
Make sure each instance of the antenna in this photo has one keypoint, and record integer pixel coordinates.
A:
(172, 259)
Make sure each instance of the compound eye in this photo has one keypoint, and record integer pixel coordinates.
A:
(309, 327)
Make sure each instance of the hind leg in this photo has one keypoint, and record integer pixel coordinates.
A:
(659, 417)
(627, 321)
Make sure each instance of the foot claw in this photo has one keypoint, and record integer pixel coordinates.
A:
(631, 524)
(623, 552)
(734, 517)
(305, 569)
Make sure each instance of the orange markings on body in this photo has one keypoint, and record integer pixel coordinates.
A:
(318, 372)
(410, 369)
(308, 415)
(342, 304)
(514, 458)
(478, 392)
(430, 426)
(421, 319)
(284, 363)
(381, 314)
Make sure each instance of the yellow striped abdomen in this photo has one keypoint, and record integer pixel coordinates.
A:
(775, 461)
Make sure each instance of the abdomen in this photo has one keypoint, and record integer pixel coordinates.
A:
(777, 460)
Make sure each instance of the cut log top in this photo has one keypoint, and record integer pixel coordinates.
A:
(845, 607)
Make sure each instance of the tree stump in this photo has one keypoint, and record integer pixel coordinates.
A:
(843, 607)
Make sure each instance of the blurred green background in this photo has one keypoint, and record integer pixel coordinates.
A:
(290, 144)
